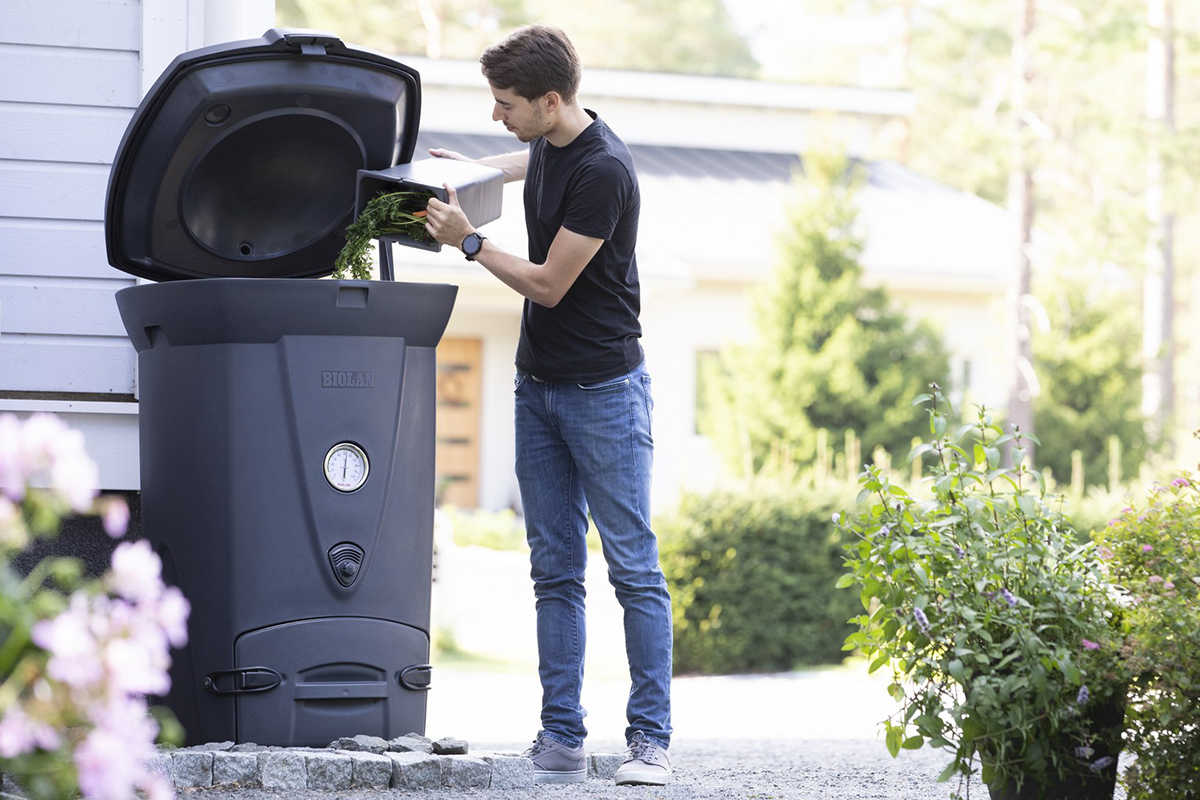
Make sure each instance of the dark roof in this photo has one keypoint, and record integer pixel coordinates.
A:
(654, 160)
(648, 159)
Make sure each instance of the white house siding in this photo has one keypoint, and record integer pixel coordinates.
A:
(71, 74)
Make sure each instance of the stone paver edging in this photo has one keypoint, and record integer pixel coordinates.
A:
(360, 762)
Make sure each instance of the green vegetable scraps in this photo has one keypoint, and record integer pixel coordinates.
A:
(386, 215)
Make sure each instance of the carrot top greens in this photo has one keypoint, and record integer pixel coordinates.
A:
(386, 215)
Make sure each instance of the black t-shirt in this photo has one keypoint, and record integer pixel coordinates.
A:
(588, 187)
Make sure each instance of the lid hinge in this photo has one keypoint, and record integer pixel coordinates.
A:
(310, 43)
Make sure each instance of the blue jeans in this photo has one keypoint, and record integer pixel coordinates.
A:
(582, 448)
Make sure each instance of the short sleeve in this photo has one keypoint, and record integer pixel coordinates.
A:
(597, 198)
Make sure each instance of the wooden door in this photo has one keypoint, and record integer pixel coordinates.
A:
(459, 410)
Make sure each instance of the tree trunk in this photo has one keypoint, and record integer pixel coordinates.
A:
(1158, 341)
(1020, 201)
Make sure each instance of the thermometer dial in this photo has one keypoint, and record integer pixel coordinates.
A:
(346, 467)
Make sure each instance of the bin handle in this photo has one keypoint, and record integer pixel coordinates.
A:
(403, 677)
(244, 680)
(342, 690)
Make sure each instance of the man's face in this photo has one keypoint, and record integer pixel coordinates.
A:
(525, 119)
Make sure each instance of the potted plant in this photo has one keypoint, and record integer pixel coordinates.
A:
(1153, 555)
(996, 622)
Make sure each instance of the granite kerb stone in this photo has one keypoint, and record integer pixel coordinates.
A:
(226, 766)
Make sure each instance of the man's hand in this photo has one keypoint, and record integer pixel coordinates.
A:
(446, 222)
(438, 152)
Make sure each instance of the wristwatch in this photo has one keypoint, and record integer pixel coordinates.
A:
(472, 244)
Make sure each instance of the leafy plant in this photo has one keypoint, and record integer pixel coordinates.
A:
(751, 573)
(388, 214)
(995, 622)
(77, 657)
(1153, 554)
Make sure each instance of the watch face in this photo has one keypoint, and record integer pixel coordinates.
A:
(346, 467)
(472, 244)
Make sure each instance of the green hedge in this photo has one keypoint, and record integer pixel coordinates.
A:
(752, 576)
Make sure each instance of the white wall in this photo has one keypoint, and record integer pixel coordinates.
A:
(71, 74)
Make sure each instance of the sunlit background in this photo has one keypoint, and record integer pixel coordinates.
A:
(842, 202)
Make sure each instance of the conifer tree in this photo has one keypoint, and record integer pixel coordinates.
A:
(829, 352)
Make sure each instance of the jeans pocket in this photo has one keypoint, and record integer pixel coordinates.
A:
(611, 383)
(518, 380)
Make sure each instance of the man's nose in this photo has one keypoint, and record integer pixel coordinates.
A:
(497, 114)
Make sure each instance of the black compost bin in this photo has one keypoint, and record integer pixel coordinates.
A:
(287, 425)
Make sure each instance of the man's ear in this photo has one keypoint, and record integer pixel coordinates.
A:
(552, 101)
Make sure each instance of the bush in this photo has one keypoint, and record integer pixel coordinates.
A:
(1154, 556)
(752, 576)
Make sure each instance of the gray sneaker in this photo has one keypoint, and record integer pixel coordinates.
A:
(647, 763)
(554, 762)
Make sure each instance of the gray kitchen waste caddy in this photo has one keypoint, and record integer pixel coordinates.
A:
(287, 425)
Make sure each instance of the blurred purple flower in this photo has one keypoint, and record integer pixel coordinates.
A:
(20, 734)
(922, 620)
(958, 551)
(69, 640)
(1169, 585)
(1008, 598)
(1180, 482)
(1082, 697)
(1101, 764)
(1155, 579)
(115, 515)
(1147, 548)
(172, 614)
(136, 571)
(1088, 644)
(1084, 752)
(112, 758)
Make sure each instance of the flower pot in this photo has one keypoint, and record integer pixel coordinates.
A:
(1082, 782)
(1083, 786)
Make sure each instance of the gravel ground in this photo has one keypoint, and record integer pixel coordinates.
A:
(718, 770)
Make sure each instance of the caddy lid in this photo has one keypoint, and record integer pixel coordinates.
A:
(241, 161)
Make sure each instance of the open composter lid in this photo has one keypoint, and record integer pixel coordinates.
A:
(242, 159)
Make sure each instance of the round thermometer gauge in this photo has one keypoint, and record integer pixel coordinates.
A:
(346, 467)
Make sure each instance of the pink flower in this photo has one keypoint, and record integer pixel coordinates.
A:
(114, 513)
(173, 610)
(1127, 510)
(1088, 644)
(1106, 554)
(72, 647)
(1169, 585)
(135, 572)
(1147, 548)
(1180, 482)
(1155, 579)
(138, 665)
(111, 760)
(76, 478)
(19, 734)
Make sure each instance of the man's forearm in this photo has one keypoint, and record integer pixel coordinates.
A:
(520, 275)
(511, 164)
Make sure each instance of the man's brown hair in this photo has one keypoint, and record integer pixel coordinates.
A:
(533, 61)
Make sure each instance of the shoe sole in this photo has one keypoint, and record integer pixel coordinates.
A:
(559, 776)
(642, 780)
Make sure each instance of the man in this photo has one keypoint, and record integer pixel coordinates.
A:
(582, 396)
